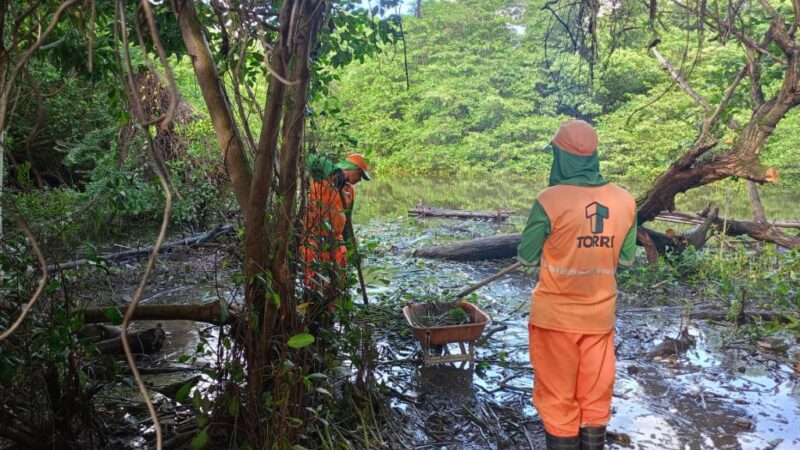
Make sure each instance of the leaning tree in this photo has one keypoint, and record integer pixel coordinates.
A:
(766, 33)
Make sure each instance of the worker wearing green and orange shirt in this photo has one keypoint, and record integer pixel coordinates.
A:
(331, 194)
(579, 230)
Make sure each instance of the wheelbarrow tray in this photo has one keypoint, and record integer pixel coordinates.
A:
(440, 335)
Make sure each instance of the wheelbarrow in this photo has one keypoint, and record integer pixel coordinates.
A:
(433, 337)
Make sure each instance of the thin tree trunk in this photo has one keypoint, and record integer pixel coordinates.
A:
(216, 100)
(755, 200)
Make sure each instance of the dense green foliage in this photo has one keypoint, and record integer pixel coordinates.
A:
(489, 82)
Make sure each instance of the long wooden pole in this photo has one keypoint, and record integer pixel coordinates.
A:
(483, 283)
(349, 229)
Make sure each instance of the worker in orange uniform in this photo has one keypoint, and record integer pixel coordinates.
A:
(330, 195)
(579, 230)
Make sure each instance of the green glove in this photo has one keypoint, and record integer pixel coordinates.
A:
(531, 269)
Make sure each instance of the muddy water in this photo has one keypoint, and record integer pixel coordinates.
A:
(719, 394)
(710, 397)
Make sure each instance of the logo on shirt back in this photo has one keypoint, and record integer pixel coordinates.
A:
(596, 213)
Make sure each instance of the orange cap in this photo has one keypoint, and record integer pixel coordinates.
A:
(358, 160)
(576, 137)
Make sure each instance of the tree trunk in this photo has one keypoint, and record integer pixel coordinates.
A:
(761, 231)
(207, 312)
(742, 160)
(269, 208)
(216, 100)
(493, 247)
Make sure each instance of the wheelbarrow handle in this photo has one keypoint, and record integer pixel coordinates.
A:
(483, 283)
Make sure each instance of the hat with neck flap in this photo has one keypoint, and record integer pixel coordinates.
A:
(575, 159)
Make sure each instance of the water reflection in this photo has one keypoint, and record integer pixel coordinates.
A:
(391, 196)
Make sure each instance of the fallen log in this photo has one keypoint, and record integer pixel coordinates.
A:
(761, 231)
(656, 243)
(99, 330)
(722, 316)
(141, 342)
(171, 390)
(705, 311)
(691, 219)
(501, 246)
(504, 246)
(427, 211)
(128, 254)
(211, 312)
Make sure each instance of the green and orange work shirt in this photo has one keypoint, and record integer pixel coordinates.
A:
(578, 234)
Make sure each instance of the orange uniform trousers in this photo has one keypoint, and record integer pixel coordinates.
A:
(573, 378)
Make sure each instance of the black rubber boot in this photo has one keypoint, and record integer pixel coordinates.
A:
(593, 438)
(562, 442)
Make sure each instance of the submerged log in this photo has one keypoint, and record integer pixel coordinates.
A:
(142, 342)
(171, 390)
(211, 312)
(427, 211)
(501, 246)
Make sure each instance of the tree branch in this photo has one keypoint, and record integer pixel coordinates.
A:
(216, 100)
(24, 58)
(679, 79)
(780, 34)
(174, 95)
(26, 230)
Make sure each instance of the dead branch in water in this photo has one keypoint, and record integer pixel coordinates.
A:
(128, 254)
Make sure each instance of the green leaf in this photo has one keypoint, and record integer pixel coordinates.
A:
(113, 315)
(324, 391)
(224, 313)
(183, 392)
(197, 401)
(276, 299)
(301, 340)
(201, 440)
